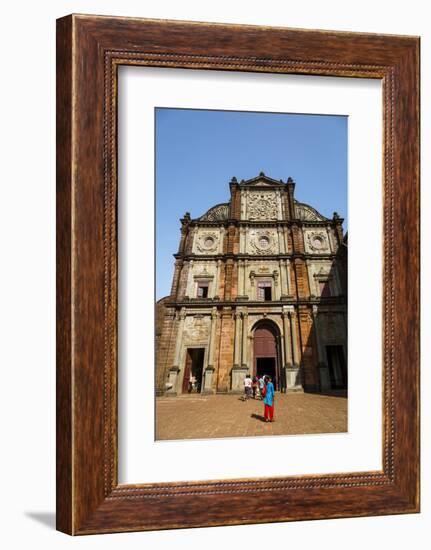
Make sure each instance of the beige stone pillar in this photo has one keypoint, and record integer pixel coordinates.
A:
(240, 278)
(280, 240)
(331, 244)
(295, 345)
(244, 339)
(310, 278)
(237, 343)
(244, 283)
(286, 339)
(190, 281)
(283, 278)
(211, 344)
(217, 280)
(277, 286)
(173, 378)
(286, 239)
(293, 377)
(288, 282)
(207, 386)
(242, 240)
(279, 206)
(182, 318)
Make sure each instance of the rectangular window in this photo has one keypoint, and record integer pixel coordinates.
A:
(202, 290)
(264, 291)
(325, 290)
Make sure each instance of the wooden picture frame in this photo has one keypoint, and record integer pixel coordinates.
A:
(89, 51)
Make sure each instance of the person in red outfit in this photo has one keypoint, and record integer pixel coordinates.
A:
(269, 400)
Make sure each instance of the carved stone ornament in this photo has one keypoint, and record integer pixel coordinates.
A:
(306, 212)
(262, 206)
(323, 274)
(263, 242)
(317, 241)
(217, 213)
(207, 242)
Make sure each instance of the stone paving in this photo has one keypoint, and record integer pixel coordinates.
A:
(209, 416)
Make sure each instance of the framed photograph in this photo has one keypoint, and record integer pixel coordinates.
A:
(237, 274)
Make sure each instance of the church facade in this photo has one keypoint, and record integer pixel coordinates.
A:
(259, 287)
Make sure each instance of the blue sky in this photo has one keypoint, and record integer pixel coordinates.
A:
(199, 151)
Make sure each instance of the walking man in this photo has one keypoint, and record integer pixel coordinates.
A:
(247, 386)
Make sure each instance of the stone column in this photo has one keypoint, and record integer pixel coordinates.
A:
(283, 279)
(325, 381)
(286, 239)
(287, 338)
(244, 283)
(211, 344)
(277, 286)
(244, 340)
(292, 371)
(237, 343)
(242, 240)
(331, 244)
(175, 369)
(217, 281)
(209, 371)
(279, 206)
(240, 278)
(190, 281)
(310, 278)
(288, 281)
(280, 240)
(294, 324)
(238, 372)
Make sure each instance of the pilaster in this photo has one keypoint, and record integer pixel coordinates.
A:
(244, 346)
(325, 382)
(173, 379)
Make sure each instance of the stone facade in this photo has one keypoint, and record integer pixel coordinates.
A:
(259, 287)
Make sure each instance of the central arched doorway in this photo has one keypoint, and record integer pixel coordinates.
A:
(266, 355)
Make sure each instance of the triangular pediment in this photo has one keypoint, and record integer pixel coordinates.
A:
(262, 181)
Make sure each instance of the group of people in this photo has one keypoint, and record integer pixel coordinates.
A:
(261, 388)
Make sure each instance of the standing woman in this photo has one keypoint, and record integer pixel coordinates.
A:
(269, 400)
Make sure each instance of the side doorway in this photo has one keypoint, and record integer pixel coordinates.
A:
(193, 370)
(337, 367)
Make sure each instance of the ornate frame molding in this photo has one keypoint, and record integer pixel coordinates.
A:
(90, 50)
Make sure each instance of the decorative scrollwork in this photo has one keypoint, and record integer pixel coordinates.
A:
(262, 206)
(305, 212)
(217, 213)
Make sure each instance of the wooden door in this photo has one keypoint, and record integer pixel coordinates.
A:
(264, 343)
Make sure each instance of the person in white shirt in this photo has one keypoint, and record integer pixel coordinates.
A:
(261, 385)
(247, 386)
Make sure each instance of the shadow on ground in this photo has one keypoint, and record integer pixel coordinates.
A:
(331, 393)
(258, 417)
(45, 518)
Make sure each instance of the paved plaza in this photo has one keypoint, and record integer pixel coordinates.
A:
(201, 417)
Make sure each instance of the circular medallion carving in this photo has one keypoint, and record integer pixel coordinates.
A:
(207, 242)
(317, 241)
(263, 242)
